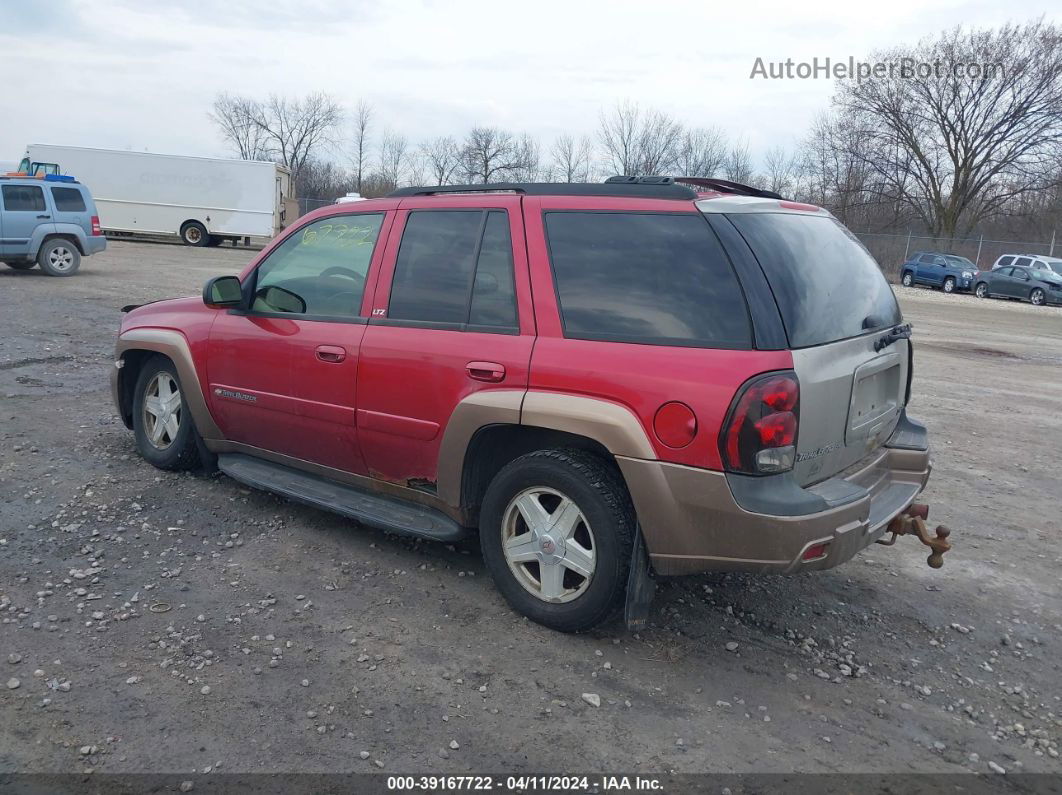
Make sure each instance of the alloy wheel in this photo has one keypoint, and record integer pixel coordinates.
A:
(61, 258)
(162, 410)
(548, 545)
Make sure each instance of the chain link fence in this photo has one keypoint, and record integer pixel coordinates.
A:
(308, 205)
(891, 251)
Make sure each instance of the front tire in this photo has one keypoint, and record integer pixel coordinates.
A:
(949, 285)
(194, 233)
(1037, 296)
(557, 529)
(981, 290)
(908, 279)
(163, 427)
(59, 257)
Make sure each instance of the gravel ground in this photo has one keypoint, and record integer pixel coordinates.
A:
(159, 622)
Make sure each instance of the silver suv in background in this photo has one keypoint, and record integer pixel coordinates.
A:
(1034, 261)
(51, 222)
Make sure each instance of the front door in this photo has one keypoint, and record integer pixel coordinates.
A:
(283, 372)
(24, 209)
(451, 316)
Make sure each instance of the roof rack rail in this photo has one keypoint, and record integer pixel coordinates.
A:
(726, 186)
(664, 189)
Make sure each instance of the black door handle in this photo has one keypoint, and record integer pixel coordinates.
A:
(44, 216)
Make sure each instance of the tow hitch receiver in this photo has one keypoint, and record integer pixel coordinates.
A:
(913, 521)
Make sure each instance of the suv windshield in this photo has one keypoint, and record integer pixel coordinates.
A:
(825, 282)
(960, 262)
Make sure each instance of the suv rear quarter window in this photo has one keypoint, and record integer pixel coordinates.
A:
(68, 200)
(649, 278)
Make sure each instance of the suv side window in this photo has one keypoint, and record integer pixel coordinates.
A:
(1022, 262)
(24, 198)
(455, 270)
(650, 278)
(1004, 261)
(322, 266)
(68, 200)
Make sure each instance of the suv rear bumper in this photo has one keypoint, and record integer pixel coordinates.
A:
(94, 244)
(696, 520)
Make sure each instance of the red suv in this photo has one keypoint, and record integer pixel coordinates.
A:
(605, 381)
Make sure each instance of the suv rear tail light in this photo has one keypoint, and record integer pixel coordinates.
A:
(96, 230)
(759, 437)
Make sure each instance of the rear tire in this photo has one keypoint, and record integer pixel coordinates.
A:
(1037, 296)
(949, 285)
(908, 279)
(585, 523)
(21, 266)
(981, 290)
(163, 427)
(59, 257)
(194, 233)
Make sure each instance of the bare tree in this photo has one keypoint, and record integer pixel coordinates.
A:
(619, 138)
(489, 154)
(701, 152)
(529, 161)
(737, 164)
(782, 169)
(235, 117)
(961, 142)
(442, 157)
(638, 142)
(392, 159)
(293, 129)
(571, 158)
(362, 120)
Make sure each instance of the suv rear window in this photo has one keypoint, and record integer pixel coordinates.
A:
(68, 200)
(825, 282)
(646, 278)
(455, 270)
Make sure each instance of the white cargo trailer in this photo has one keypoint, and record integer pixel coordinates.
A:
(202, 200)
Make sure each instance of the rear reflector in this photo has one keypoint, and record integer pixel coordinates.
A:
(815, 552)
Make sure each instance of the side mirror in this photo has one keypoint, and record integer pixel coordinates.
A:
(223, 291)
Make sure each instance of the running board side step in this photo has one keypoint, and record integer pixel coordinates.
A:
(370, 509)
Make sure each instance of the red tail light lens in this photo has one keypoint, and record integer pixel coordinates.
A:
(96, 230)
(759, 437)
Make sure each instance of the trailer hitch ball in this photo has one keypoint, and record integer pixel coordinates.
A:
(913, 521)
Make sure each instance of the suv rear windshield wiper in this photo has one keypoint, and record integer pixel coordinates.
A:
(898, 333)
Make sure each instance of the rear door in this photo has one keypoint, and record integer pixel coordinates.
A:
(451, 316)
(836, 306)
(71, 207)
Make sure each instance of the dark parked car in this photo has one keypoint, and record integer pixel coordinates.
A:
(1026, 284)
(946, 271)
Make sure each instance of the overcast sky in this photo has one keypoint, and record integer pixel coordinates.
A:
(112, 73)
